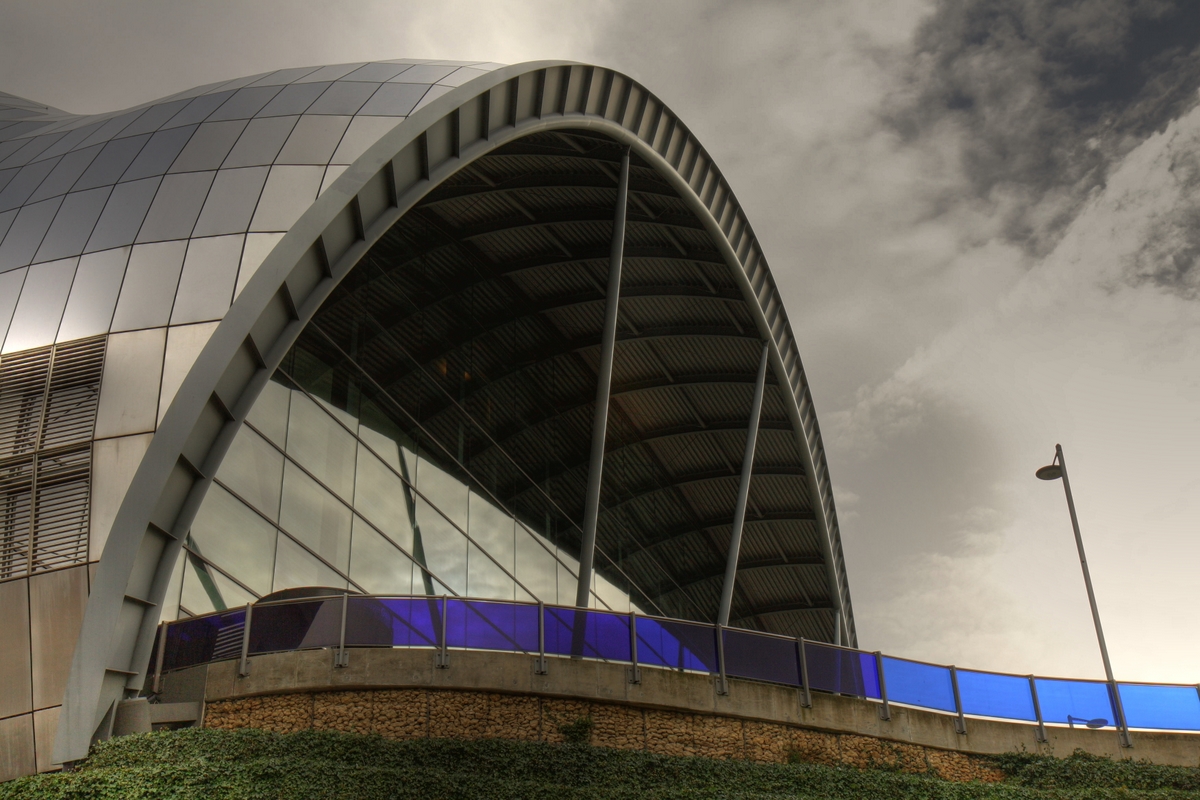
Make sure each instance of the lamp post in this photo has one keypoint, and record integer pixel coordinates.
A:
(1053, 471)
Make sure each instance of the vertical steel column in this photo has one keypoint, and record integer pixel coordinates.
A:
(158, 657)
(722, 681)
(635, 672)
(591, 509)
(885, 711)
(1037, 711)
(539, 666)
(739, 510)
(244, 663)
(443, 658)
(342, 659)
(960, 724)
(807, 701)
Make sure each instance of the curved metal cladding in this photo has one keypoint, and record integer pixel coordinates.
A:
(208, 243)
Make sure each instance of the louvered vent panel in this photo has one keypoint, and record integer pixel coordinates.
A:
(48, 401)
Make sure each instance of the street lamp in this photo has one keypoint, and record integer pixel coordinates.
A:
(1053, 471)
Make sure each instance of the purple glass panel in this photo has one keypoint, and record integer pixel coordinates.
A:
(1080, 700)
(591, 634)
(837, 669)
(1175, 708)
(990, 695)
(677, 645)
(295, 626)
(202, 639)
(481, 625)
(393, 622)
(761, 658)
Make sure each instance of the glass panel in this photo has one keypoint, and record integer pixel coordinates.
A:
(591, 634)
(294, 566)
(492, 626)
(918, 684)
(260, 142)
(444, 549)
(195, 641)
(206, 286)
(201, 592)
(836, 669)
(678, 645)
(536, 568)
(149, 289)
(1080, 700)
(325, 448)
(269, 414)
(485, 578)
(231, 202)
(376, 564)
(493, 531)
(763, 658)
(381, 497)
(1166, 707)
(316, 518)
(235, 538)
(93, 294)
(990, 695)
(123, 215)
(73, 224)
(296, 626)
(399, 622)
(254, 470)
(40, 308)
(176, 206)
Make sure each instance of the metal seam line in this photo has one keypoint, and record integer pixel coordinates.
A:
(591, 511)
(739, 511)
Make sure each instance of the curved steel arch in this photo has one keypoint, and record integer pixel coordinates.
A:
(317, 252)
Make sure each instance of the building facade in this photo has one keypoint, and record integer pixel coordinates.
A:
(432, 328)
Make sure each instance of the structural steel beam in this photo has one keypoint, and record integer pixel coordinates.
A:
(739, 510)
(591, 509)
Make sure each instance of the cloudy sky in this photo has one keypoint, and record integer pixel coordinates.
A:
(984, 216)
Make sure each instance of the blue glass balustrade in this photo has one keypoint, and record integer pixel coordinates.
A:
(455, 622)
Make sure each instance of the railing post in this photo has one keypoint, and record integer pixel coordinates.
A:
(343, 659)
(1119, 708)
(539, 666)
(885, 711)
(1037, 711)
(443, 657)
(635, 672)
(806, 694)
(244, 663)
(158, 657)
(960, 724)
(722, 680)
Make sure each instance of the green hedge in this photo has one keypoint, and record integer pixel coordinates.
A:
(211, 764)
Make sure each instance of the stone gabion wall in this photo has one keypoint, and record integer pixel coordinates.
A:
(422, 713)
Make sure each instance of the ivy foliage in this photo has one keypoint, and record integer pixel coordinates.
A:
(211, 764)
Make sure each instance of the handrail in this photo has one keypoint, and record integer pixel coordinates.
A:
(544, 630)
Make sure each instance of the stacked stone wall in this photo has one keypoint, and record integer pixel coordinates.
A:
(443, 714)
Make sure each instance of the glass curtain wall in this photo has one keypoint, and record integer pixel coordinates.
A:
(311, 494)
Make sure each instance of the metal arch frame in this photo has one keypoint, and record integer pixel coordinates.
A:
(387, 181)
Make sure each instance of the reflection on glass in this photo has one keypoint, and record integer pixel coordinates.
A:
(445, 549)
(381, 497)
(485, 578)
(254, 470)
(317, 441)
(315, 517)
(296, 567)
(269, 414)
(377, 565)
(536, 567)
(228, 533)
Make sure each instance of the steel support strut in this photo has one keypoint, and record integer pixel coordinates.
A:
(591, 512)
(739, 510)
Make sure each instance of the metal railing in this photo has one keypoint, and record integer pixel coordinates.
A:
(443, 624)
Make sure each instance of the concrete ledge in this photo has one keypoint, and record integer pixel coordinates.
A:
(312, 671)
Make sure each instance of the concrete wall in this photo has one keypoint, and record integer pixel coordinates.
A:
(754, 719)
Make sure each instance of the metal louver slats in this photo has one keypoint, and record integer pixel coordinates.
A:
(48, 401)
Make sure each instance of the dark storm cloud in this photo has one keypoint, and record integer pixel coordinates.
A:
(1047, 95)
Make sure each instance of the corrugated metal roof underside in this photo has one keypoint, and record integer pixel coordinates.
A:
(480, 314)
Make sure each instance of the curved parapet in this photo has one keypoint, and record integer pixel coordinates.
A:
(224, 226)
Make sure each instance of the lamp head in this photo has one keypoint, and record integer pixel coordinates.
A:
(1050, 472)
